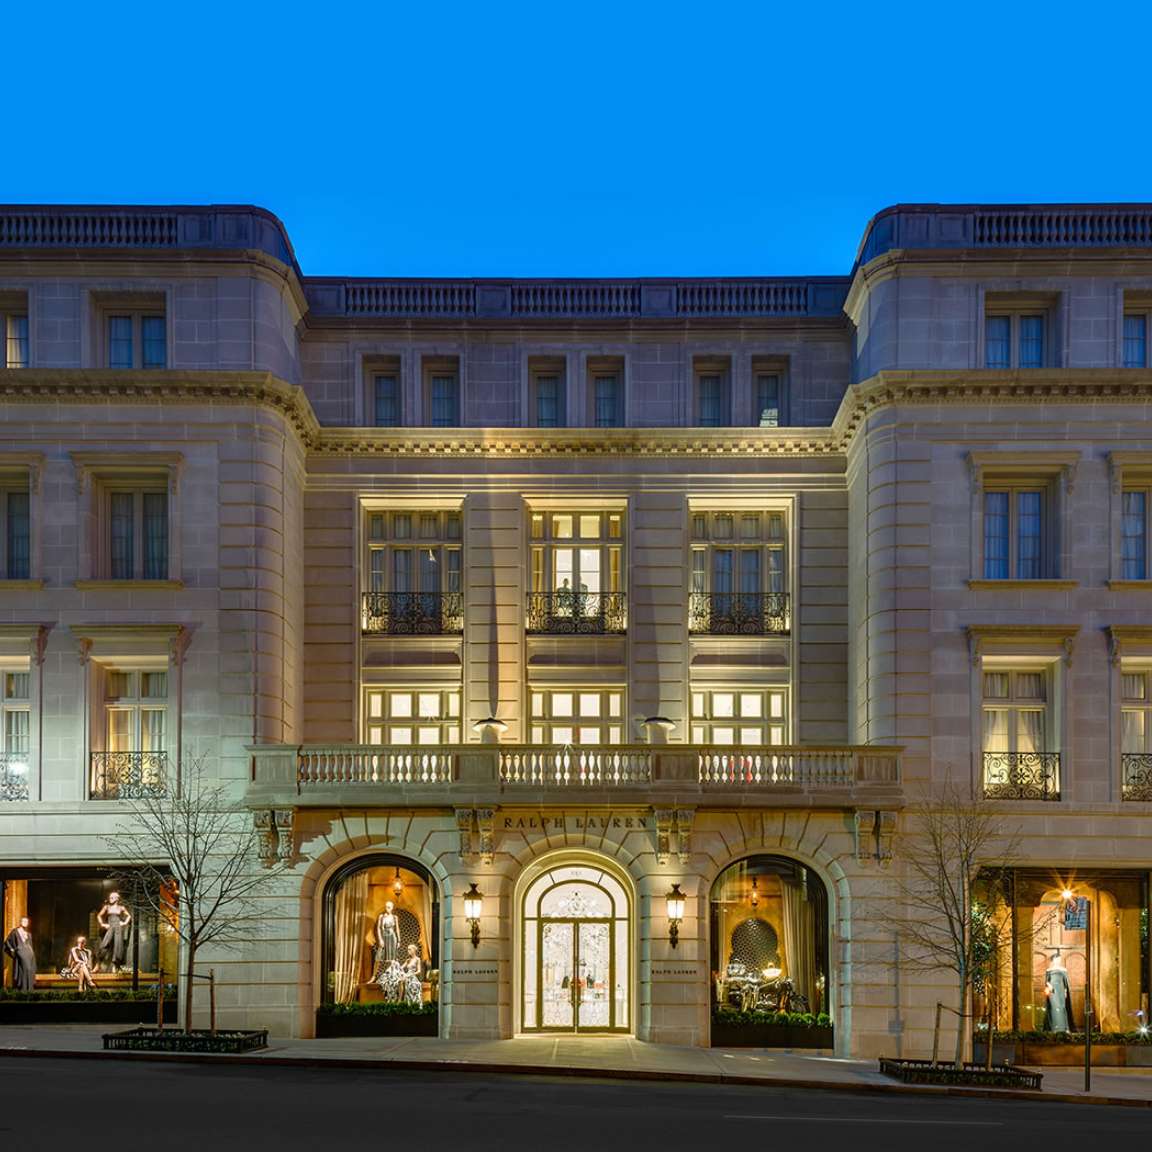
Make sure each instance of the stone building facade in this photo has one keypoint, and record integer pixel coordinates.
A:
(579, 596)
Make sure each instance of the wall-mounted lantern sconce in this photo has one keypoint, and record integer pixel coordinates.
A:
(675, 902)
(473, 906)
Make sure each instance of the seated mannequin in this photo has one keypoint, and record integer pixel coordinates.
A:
(80, 965)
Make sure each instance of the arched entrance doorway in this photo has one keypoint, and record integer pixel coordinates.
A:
(576, 950)
(380, 949)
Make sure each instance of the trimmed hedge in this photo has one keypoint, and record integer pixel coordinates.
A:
(377, 1008)
(68, 996)
(1127, 1038)
(734, 1018)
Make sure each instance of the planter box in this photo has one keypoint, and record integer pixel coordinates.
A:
(1067, 1055)
(925, 1072)
(329, 1026)
(201, 1040)
(770, 1036)
(84, 1012)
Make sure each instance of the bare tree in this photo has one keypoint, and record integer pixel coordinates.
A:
(957, 854)
(196, 841)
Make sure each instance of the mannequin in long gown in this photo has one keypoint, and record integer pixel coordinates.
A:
(1058, 997)
(18, 945)
(387, 936)
(114, 919)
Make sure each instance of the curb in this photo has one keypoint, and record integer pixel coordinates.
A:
(472, 1067)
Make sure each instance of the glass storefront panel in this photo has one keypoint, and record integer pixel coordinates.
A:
(381, 934)
(130, 944)
(1046, 990)
(769, 938)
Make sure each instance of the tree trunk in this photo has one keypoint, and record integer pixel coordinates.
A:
(189, 984)
(962, 1020)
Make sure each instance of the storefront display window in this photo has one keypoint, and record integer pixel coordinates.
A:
(769, 938)
(1038, 973)
(382, 935)
(63, 921)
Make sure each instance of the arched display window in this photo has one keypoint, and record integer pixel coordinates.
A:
(381, 942)
(577, 953)
(769, 918)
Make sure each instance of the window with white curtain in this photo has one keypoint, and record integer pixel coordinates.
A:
(15, 529)
(135, 710)
(1134, 353)
(747, 716)
(1135, 709)
(1014, 713)
(135, 339)
(1016, 338)
(15, 712)
(712, 382)
(1134, 533)
(588, 714)
(1017, 535)
(17, 350)
(136, 531)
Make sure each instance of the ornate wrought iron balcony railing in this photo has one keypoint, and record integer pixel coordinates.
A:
(13, 776)
(740, 613)
(1021, 775)
(570, 612)
(1136, 772)
(413, 613)
(128, 775)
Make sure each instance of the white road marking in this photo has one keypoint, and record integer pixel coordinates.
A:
(876, 1120)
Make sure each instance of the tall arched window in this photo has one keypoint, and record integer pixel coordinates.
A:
(381, 942)
(769, 938)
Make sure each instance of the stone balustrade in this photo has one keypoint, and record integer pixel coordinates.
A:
(515, 773)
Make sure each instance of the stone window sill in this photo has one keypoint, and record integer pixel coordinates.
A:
(156, 585)
(1037, 585)
(21, 585)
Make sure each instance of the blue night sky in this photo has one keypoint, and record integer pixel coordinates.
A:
(596, 138)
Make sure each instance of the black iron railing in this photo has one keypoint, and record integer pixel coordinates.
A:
(413, 613)
(128, 775)
(13, 776)
(740, 613)
(569, 612)
(1136, 769)
(1022, 775)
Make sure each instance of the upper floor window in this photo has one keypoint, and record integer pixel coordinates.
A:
(606, 391)
(386, 409)
(442, 392)
(546, 393)
(1135, 338)
(1017, 331)
(414, 572)
(591, 715)
(135, 340)
(16, 346)
(15, 705)
(738, 715)
(767, 391)
(1134, 533)
(1016, 538)
(135, 710)
(136, 532)
(713, 392)
(403, 716)
(576, 572)
(15, 529)
(1135, 710)
(738, 573)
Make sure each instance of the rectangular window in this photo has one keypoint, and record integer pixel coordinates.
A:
(744, 716)
(767, 412)
(135, 339)
(577, 715)
(1135, 340)
(548, 399)
(1015, 544)
(16, 341)
(386, 401)
(712, 396)
(738, 571)
(135, 710)
(1136, 712)
(15, 706)
(1134, 535)
(1015, 338)
(137, 535)
(606, 392)
(17, 533)
(444, 400)
(405, 716)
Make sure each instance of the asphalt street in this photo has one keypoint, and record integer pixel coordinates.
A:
(50, 1105)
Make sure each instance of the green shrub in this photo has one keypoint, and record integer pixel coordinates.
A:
(1071, 1037)
(734, 1017)
(377, 1008)
(70, 995)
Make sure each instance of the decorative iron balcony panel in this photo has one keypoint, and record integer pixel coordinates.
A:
(413, 613)
(128, 775)
(576, 613)
(1021, 775)
(740, 613)
(1136, 768)
(602, 767)
(13, 776)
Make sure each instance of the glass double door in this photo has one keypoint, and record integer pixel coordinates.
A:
(577, 976)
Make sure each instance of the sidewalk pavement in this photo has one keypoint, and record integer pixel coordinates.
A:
(598, 1056)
